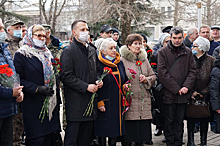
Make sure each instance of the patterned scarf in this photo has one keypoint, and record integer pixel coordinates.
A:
(29, 49)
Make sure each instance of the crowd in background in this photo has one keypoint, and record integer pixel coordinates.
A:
(144, 85)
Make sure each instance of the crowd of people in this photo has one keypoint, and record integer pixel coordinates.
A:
(142, 85)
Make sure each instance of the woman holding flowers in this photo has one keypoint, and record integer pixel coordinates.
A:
(33, 64)
(138, 117)
(109, 122)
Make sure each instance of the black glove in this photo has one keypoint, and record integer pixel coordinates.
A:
(44, 90)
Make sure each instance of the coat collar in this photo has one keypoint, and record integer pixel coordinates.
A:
(109, 63)
(127, 54)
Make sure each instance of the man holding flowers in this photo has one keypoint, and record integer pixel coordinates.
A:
(8, 96)
(80, 75)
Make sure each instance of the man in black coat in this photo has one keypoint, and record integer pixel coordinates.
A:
(80, 78)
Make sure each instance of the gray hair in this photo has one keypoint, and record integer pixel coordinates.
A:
(191, 30)
(106, 43)
(203, 43)
(176, 30)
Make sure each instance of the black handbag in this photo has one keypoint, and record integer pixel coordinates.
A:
(198, 108)
(155, 117)
(57, 139)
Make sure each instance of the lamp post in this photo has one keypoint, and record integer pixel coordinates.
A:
(199, 5)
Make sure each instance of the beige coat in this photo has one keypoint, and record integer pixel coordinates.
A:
(141, 99)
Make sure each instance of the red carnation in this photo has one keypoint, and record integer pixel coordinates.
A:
(54, 63)
(59, 63)
(153, 64)
(56, 59)
(60, 69)
(138, 63)
(148, 51)
(107, 70)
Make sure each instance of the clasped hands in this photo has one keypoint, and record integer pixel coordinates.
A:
(94, 87)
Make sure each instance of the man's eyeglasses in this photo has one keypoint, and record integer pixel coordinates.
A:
(40, 35)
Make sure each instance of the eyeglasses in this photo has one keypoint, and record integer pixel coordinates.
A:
(195, 46)
(40, 35)
(166, 41)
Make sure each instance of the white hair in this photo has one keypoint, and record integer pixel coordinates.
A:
(203, 43)
(106, 43)
(191, 30)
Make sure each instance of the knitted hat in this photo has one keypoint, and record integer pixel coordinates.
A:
(162, 37)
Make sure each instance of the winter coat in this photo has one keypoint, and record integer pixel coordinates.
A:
(79, 69)
(187, 42)
(109, 123)
(54, 46)
(215, 85)
(156, 47)
(7, 102)
(182, 75)
(141, 99)
(216, 52)
(213, 45)
(204, 66)
(31, 75)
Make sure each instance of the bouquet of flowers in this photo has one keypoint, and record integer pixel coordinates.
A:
(126, 100)
(89, 109)
(8, 78)
(56, 69)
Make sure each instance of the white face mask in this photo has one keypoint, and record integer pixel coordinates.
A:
(83, 36)
(39, 43)
(2, 37)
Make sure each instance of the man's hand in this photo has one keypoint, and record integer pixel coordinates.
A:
(17, 91)
(102, 108)
(218, 111)
(20, 98)
(92, 88)
(142, 79)
(99, 84)
(183, 90)
(194, 94)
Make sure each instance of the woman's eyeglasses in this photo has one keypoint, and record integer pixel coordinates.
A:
(40, 35)
(195, 46)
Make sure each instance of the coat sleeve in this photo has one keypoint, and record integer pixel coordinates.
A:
(214, 89)
(67, 76)
(151, 76)
(216, 52)
(190, 80)
(163, 74)
(5, 92)
(29, 87)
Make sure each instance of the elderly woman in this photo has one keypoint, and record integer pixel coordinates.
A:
(138, 117)
(163, 40)
(109, 122)
(204, 65)
(33, 64)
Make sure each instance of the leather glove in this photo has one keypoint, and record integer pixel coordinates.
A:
(44, 90)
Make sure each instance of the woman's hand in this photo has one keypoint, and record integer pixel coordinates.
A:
(142, 79)
(20, 97)
(127, 87)
(102, 108)
(194, 94)
(99, 84)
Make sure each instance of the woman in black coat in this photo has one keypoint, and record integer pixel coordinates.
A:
(215, 89)
(109, 122)
(33, 64)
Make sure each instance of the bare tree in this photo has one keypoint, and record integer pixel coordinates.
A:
(53, 13)
(211, 8)
(126, 12)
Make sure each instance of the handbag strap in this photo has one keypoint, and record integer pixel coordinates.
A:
(174, 64)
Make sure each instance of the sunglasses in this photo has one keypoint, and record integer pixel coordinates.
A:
(40, 35)
(195, 46)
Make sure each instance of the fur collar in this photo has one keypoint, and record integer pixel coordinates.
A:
(127, 54)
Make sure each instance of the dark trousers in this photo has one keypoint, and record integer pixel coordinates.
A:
(40, 141)
(6, 131)
(78, 133)
(191, 125)
(173, 123)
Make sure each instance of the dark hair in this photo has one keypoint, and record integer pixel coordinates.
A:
(75, 22)
(144, 36)
(131, 38)
(176, 30)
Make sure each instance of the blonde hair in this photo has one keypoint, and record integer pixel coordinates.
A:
(38, 28)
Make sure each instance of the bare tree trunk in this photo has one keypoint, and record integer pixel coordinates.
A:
(175, 19)
(40, 10)
(209, 17)
(125, 27)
